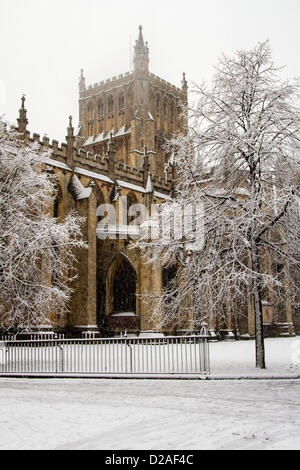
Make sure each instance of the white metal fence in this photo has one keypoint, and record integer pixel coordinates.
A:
(162, 355)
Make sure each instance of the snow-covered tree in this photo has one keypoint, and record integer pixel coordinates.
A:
(36, 249)
(240, 159)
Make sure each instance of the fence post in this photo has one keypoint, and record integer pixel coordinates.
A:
(130, 355)
(206, 358)
(62, 357)
(2, 353)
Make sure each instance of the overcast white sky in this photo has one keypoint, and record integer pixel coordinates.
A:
(45, 43)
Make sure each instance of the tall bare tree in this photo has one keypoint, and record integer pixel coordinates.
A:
(36, 250)
(240, 159)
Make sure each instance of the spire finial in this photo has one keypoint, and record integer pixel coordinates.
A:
(70, 143)
(81, 81)
(184, 83)
(22, 120)
(70, 129)
(141, 49)
(140, 41)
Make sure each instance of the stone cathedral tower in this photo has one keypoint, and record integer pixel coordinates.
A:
(116, 154)
(139, 109)
(123, 124)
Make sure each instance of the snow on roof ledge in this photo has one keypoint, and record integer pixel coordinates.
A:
(106, 135)
(78, 191)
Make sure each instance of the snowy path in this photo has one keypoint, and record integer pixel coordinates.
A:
(160, 414)
(137, 414)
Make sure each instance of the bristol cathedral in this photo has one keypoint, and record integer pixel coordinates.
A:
(118, 151)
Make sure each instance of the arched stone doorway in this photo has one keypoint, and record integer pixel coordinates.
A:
(124, 288)
(121, 305)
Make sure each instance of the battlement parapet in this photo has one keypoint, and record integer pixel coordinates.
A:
(97, 163)
(55, 145)
(106, 85)
(117, 81)
(59, 150)
(166, 85)
(46, 141)
(64, 149)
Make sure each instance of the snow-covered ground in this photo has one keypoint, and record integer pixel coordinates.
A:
(238, 358)
(160, 414)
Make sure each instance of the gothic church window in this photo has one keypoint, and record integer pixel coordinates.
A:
(157, 105)
(121, 103)
(165, 107)
(100, 108)
(90, 112)
(111, 105)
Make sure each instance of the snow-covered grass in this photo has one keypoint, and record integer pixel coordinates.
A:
(159, 414)
(238, 358)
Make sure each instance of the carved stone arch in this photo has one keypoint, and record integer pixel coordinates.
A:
(121, 286)
(121, 304)
(90, 111)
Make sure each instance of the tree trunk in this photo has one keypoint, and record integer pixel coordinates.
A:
(259, 333)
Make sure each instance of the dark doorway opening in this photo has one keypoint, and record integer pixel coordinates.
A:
(124, 288)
